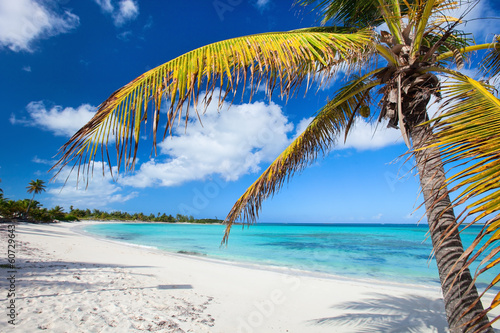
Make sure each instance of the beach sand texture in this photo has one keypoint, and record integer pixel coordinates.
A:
(66, 281)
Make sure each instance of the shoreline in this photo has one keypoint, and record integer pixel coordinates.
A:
(70, 281)
(280, 269)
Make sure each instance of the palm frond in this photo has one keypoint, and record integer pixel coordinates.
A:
(468, 134)
(283, 60)
(392, 17)
(491, 62)
(318, 137)
(455, 47)
(422, 16)
(347, 13)
(466, 49)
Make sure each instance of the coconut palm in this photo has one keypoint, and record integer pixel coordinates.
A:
(394, 73)
(469, 136)
(35, 187)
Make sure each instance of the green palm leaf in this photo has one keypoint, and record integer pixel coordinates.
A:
(346, 12)
(468, 133)
(318, 137)
(283, 60)
(36, 186)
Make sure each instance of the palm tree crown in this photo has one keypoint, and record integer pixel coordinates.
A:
(394, 73)
(36, 186)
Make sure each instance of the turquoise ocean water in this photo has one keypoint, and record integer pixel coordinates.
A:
(388, 252)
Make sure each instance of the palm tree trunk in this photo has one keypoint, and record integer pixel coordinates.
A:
(29, 205)
(440, 217)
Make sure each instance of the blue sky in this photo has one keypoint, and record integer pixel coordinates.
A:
(62, 58)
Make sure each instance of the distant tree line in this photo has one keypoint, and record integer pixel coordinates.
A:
(32, 210)
(97, 214)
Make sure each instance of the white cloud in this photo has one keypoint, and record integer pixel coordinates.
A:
(101, 191)
(124, 36)
(235, 142)
(262, 3)
(61, 121)
(105, 5)
(121, 12)
(362, 136)
(38, 160)
(128, 10)
(301, 126)
(24, 21)
(27, 69)
(365, 136)
(230, 143)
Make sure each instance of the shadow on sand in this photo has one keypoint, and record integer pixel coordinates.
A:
(390, 314)
(75, 278)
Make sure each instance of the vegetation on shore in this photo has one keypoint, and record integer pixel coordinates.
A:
(97, 214)
(32, 210)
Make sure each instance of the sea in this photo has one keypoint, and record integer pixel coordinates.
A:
(391, 252)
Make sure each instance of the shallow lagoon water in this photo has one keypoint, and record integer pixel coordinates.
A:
(399, 253)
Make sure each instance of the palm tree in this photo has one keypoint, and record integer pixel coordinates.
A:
(35, 187)
(393, 72)
(470, 136)
(57, 213)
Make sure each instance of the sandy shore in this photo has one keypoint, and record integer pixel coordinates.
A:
(66, 281)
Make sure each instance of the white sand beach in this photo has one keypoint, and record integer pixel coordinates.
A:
(67, 281)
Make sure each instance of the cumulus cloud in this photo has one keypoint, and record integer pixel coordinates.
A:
(105, 5)
(229, 143)
(366, 136)
(363, 135)
(56, 119)
(24, 21)
(101, 191)
(235, 142)
(122, 11)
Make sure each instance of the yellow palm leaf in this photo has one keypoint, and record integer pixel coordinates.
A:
(468, 134)
(283, 59)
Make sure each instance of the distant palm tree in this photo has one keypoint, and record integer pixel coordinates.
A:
(393, 72)
(57, 213)
(35, 187)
